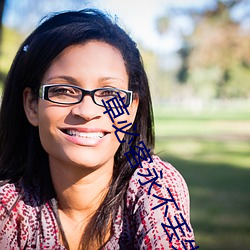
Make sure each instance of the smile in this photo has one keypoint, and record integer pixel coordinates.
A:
(91, 135)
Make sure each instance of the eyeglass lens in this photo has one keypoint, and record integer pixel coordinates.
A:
(69, 94)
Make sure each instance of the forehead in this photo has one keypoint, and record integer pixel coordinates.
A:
(88, 59)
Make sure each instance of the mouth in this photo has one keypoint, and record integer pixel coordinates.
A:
(90, 135)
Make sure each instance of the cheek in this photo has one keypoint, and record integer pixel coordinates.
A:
(123, 122)
(119, 130)
(46, 134)
(48, 120)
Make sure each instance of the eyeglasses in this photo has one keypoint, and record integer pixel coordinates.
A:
(69, 94)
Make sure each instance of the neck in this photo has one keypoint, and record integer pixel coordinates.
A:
(80, 190)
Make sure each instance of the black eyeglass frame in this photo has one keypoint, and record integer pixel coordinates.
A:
(44, 94)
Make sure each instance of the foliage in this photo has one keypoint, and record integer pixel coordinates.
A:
(162, 24)
(159, 79)
(10, 43)
(220, 44)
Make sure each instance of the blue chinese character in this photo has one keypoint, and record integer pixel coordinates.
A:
(153, 180)
(125, 132)
(166, 202)
(190, 243)
(179, 225)
(115, 104)
(140, 154)
(174, 248)
(184, 245)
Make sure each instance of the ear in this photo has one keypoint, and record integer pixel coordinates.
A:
(30, 104)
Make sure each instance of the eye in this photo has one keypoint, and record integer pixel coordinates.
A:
(107, 93)
(63, 90)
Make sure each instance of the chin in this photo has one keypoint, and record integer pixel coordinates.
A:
(92, 162)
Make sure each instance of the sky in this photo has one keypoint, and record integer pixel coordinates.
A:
(138, 17)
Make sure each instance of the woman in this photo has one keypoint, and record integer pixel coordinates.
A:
(67, 178)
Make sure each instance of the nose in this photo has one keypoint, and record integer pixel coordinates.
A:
(87, 109)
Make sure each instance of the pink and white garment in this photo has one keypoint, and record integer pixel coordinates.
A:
(140, 225)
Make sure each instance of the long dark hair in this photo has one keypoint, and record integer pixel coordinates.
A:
(22, 157)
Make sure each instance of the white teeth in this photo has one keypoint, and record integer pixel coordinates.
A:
(85, 135)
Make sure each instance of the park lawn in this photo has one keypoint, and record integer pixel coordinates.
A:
(212, 151)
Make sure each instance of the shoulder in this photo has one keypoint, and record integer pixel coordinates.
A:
(9, 193)
(14, 193)
(13, 213)
(159, 177)
(157, 193)
(16, 200)
(21, 212)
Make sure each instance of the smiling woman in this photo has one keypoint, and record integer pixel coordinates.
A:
(67, 181)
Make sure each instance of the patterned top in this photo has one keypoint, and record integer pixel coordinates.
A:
(156, 215)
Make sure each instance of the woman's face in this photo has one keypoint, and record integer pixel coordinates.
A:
(80, 134)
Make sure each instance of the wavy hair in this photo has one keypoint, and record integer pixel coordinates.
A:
(22, 157)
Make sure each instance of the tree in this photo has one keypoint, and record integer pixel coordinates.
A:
(220, 44)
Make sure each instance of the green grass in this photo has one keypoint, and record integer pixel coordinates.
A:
(212, 152)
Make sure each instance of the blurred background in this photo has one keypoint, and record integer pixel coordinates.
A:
(197, 56)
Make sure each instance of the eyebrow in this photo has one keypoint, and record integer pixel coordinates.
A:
(67, 78)
(111, 78)
(74, 81)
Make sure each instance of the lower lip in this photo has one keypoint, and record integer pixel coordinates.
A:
(85, 141)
